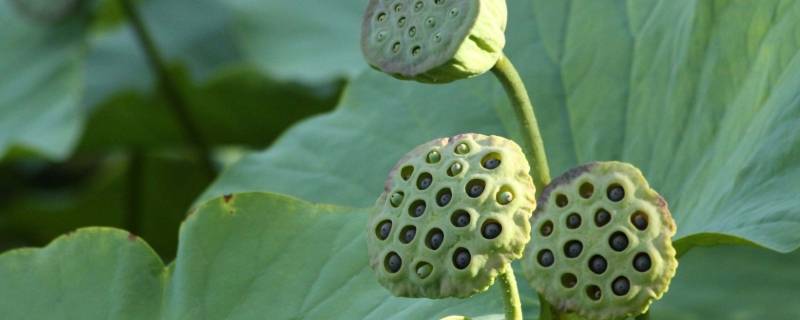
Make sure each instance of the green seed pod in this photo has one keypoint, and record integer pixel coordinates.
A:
(601, 244)
(453, 234)
(433, 41)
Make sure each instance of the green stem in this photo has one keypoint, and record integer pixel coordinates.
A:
(175, 100)
(644, 316)
(511, 295)
(515, 88)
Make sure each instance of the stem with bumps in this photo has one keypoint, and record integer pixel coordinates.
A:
(511, 295)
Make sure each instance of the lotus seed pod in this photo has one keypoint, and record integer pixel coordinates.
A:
(457, 227)
(601, 245)
(433, 41)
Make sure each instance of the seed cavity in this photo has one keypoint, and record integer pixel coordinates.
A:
(561, 200)
(430, 22)
(433, 156)
(454, 169)
(602, 217)
(639, 220)
(381, 17)
(547, 228)
(424, 269)
(392, 262)
(439, 2)
(462, 148)
(505, 196)
(406, 172)
(618, 241)
(573, 248)
(416, 50)
(435, 238)
(412, 32)
(573, 220)
(598, 264)
(419, 5)
(437, 37)
(401, 22)
(398, 7)
(615, 192)
(397, 198)
(417, 208)
(396, 47)
(460, 218)
(621, 286)
(593, 292)
(545, 258)
(380, 36)
(586, 190)
(424, 181)
(407, 234)
(491, 229)
(475, 188)
(454, 12)
(443, 197)
(569, 280)
(491, 161)
(383, 229)
(642, 262)
(461, 258)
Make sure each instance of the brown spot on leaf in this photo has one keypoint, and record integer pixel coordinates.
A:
(132, 237)
(228, 198)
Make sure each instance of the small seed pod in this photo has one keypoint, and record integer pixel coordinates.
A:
(433, 41)
(601, 244)
(467, 227)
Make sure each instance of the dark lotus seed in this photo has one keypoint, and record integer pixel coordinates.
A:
(642, 262)
(384, 228)
(616, 193)
(417, 208)
(460, 218)
(392, 263)
(598, 264)
(547, 228)
(639, 220)
(569, 280)
(621, 286)
(546, 258)
(573, 248)
(424, 181)
(586, 190)
(408, 233)
(602, 217)
(406, 172)
(475, 188)
(561, 201)
(461, 258)
(594, 292)
(491, 229)
(573, 221)
(444, 197)
(491, 161)
(618, 241)
(435, 239)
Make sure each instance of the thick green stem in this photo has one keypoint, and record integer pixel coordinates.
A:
(169, 88)
(515, 88)
(511, 295)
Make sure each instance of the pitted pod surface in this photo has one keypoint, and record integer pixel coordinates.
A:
(454, 213)
(434, 41)
(601, 244)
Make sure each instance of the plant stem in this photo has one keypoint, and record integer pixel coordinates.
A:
(169, 88)
(644, 316)
(511, 295)
(515, 89)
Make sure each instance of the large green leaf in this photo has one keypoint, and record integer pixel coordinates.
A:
(701, 95)
(248, 256)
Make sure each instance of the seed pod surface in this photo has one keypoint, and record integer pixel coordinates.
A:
(433, 41)
(469, 223)
(626, 258)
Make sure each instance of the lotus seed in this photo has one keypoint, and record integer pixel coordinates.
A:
(454, 12)
(393, 262)
(561, 201)
(616, 193)
(437, 37)
(398, 7)
(396, 47)
(475, 188)
(491, 229)
(460, 218)
(412, 32)
(547, 228)
(424, 269)
(431, 22)
(439, 2)
(380, 36)
(462, 148)
(424, 181)
(573, 221)
(505, 197)
(396, 199)
(618, 241)
(418, 6)
(454, 169)
(573, 248)
(401, 22)
(416, 50)
(586, 190)
(594, 292)
(461, 258)
(408, 233)
(433, 156)
(598, 264)
(406, 172)
(639, 220)
(384, 228)
(443, 198)
(435, 239)
(546, 258)
(417, 208)
(491, 161)
(642, 262)
(621, 286)
(381, 17)
(569, 280)
(602, 217)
